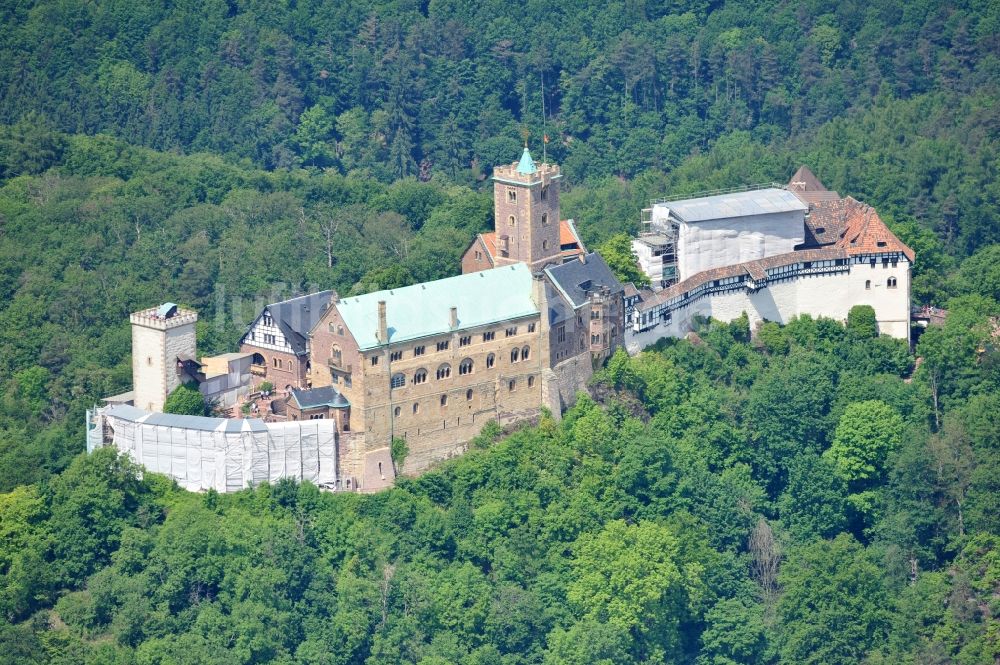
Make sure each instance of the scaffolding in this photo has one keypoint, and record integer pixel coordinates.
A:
(656, 249)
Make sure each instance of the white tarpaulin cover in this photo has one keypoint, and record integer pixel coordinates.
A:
(224, 454)
(716, 231)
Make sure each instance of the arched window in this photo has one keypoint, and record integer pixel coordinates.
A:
(444, 400)
(420, 376)
(468, 395)
(396, 412)
(444, 371)
(416, 407)
(545, 218)
(531, 381)
(525, 352)
(490, 360)
(511, 385)
(545, 243)
(256, 359)
(398, 381)
(512, 220)
(868, 284)
(511, 196)
(891, 282)
(514, 354)
(465, 367)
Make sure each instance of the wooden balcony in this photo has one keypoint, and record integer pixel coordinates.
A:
(258, 370)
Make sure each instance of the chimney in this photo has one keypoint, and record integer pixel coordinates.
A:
(538, 294)
(453, 318)
(383, 327)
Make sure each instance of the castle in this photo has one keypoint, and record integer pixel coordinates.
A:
(520, 330)
(773, 253)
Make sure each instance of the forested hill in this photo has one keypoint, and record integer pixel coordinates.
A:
(786, 500)
(409, 88)
(895, 103)
(812, 495)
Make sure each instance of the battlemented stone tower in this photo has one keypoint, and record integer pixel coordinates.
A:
(160, 337)
(526, 209)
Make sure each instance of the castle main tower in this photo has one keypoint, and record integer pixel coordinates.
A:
(160, 336)
(526, 209)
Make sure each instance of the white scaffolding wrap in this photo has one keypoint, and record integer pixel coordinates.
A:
(222, 454)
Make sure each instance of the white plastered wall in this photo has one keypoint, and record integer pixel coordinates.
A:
(827, 295)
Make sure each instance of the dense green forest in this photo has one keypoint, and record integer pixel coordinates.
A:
(812, 495)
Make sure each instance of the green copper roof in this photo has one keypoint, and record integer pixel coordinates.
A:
(526, 166)
(422, 310)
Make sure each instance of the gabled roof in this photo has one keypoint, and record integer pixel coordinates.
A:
(317, 397)
(808, 188)
(297, 316)
(736, 204)
(866, 233)
(575, 278)
(853, 226)
(423, 310)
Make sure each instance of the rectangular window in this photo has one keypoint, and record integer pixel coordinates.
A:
(531, 327)
(269, 339)
(442, 346)
(465, 341)
(374, 360)
(510, 332)
(489, 336)
(418, 350)
(334, 378)
(561, 333)
(396, 355)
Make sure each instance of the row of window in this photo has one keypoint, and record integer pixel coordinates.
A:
(890, 283)
(543, 194)
(512, 220)
(443, 400)
(421, 349)
(466, 367)
(268, 338)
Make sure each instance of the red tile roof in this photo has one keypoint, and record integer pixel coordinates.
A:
(567, 236)
(866, 233)
(853, 226)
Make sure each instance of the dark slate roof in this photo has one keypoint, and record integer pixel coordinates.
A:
(297, 316)
(316, 397)
(575, 278)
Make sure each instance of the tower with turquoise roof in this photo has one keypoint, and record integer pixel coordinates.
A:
(526, 210)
